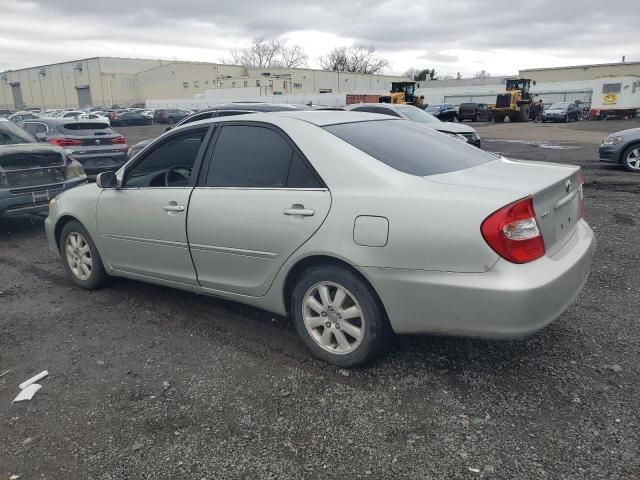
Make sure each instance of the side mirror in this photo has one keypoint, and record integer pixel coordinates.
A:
(107, 180)
(41, 137)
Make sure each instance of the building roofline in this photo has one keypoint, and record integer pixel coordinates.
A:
(613, 64)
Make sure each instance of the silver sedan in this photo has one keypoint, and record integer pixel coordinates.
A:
(355, 225)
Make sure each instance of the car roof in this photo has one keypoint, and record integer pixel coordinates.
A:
(320, 118)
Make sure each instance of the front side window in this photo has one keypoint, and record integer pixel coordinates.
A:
(169, 165)
(257, 157)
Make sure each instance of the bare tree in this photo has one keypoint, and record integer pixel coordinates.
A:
(269, 53)
(293, 56)
(482, 74)
(355, 59)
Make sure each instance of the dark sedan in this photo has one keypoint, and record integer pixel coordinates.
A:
(96, 145)
(623, 148)
(475, 112)
(31, 173)
(170, 116)
(444, 111)
(128, 119)
(562, 112)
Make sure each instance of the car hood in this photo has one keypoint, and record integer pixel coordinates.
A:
(26, 156)
(450, 127)
(630, 132)
(29, 148)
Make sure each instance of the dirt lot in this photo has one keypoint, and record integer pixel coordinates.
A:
(147, 382)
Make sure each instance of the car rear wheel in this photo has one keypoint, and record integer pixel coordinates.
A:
(338, 316)
(80, 257)
(631, 158)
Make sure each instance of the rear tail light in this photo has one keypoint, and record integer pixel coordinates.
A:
(119, 140)
(513, 232)
(66, 142)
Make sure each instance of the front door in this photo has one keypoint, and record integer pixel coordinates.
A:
(260, 201)
(142, 225)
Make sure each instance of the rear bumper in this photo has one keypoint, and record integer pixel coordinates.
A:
(507, 301)
(34, 199)
(610, 153)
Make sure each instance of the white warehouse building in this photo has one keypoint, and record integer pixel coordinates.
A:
(107, 81)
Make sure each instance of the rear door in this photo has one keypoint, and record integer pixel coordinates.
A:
(259, 201)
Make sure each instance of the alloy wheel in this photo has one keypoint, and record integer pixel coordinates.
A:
(633, 159)
(333, 318)
(78, 255)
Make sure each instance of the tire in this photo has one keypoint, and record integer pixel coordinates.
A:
(476, 118)
(76, 237)
(498, 118)
(631, 158)
(368, 319)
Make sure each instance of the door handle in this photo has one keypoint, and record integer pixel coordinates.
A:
(173, 208)
(299, 210)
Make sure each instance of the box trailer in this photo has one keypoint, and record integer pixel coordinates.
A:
(616, 97)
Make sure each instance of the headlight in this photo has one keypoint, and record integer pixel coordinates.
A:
(74, 169)
(475, 136)
(456, 136)
(612, 140)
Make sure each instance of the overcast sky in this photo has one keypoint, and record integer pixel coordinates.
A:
(451, 36)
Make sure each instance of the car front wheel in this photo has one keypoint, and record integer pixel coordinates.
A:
(338, 316)
(631, 158)
(80, 257)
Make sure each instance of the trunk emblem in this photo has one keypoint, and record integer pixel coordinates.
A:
(98, 143)
(567, 186)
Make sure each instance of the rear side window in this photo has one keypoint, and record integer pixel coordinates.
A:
(86, 128)
(257, 157)
(424, 152)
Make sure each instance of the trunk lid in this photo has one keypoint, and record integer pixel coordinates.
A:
(555, 191)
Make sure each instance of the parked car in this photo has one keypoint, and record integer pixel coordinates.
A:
(444, 111)
(128, 119)
(19, 116)
(147, 114)
(562, 112)
(96, 116)
(72, 114)
(225, 110)
(321, 216)
(96, 145)
(169, 116)
(622, 147)
(31, 174)
(415, 114)
(4, 113)
(475, 112)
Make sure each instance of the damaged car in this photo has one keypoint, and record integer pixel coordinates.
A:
(32, 173)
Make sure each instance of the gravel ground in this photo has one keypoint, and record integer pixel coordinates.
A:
(148, 382)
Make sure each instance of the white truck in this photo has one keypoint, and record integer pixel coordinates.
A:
(616, 97)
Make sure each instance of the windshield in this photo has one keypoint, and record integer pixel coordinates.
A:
(433, 109)
(11, 134)
(560, 106)
(417, 115)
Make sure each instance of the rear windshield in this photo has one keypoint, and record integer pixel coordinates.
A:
(467, 105)
(410, 147)
(11, 134)
(86, 128)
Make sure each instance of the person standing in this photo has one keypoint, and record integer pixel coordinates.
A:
(540, 111)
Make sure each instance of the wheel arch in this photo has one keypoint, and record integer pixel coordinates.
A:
(61, 222)
(623, 150)
(302, 264)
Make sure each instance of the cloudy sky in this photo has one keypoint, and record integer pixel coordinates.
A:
(467, 36)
